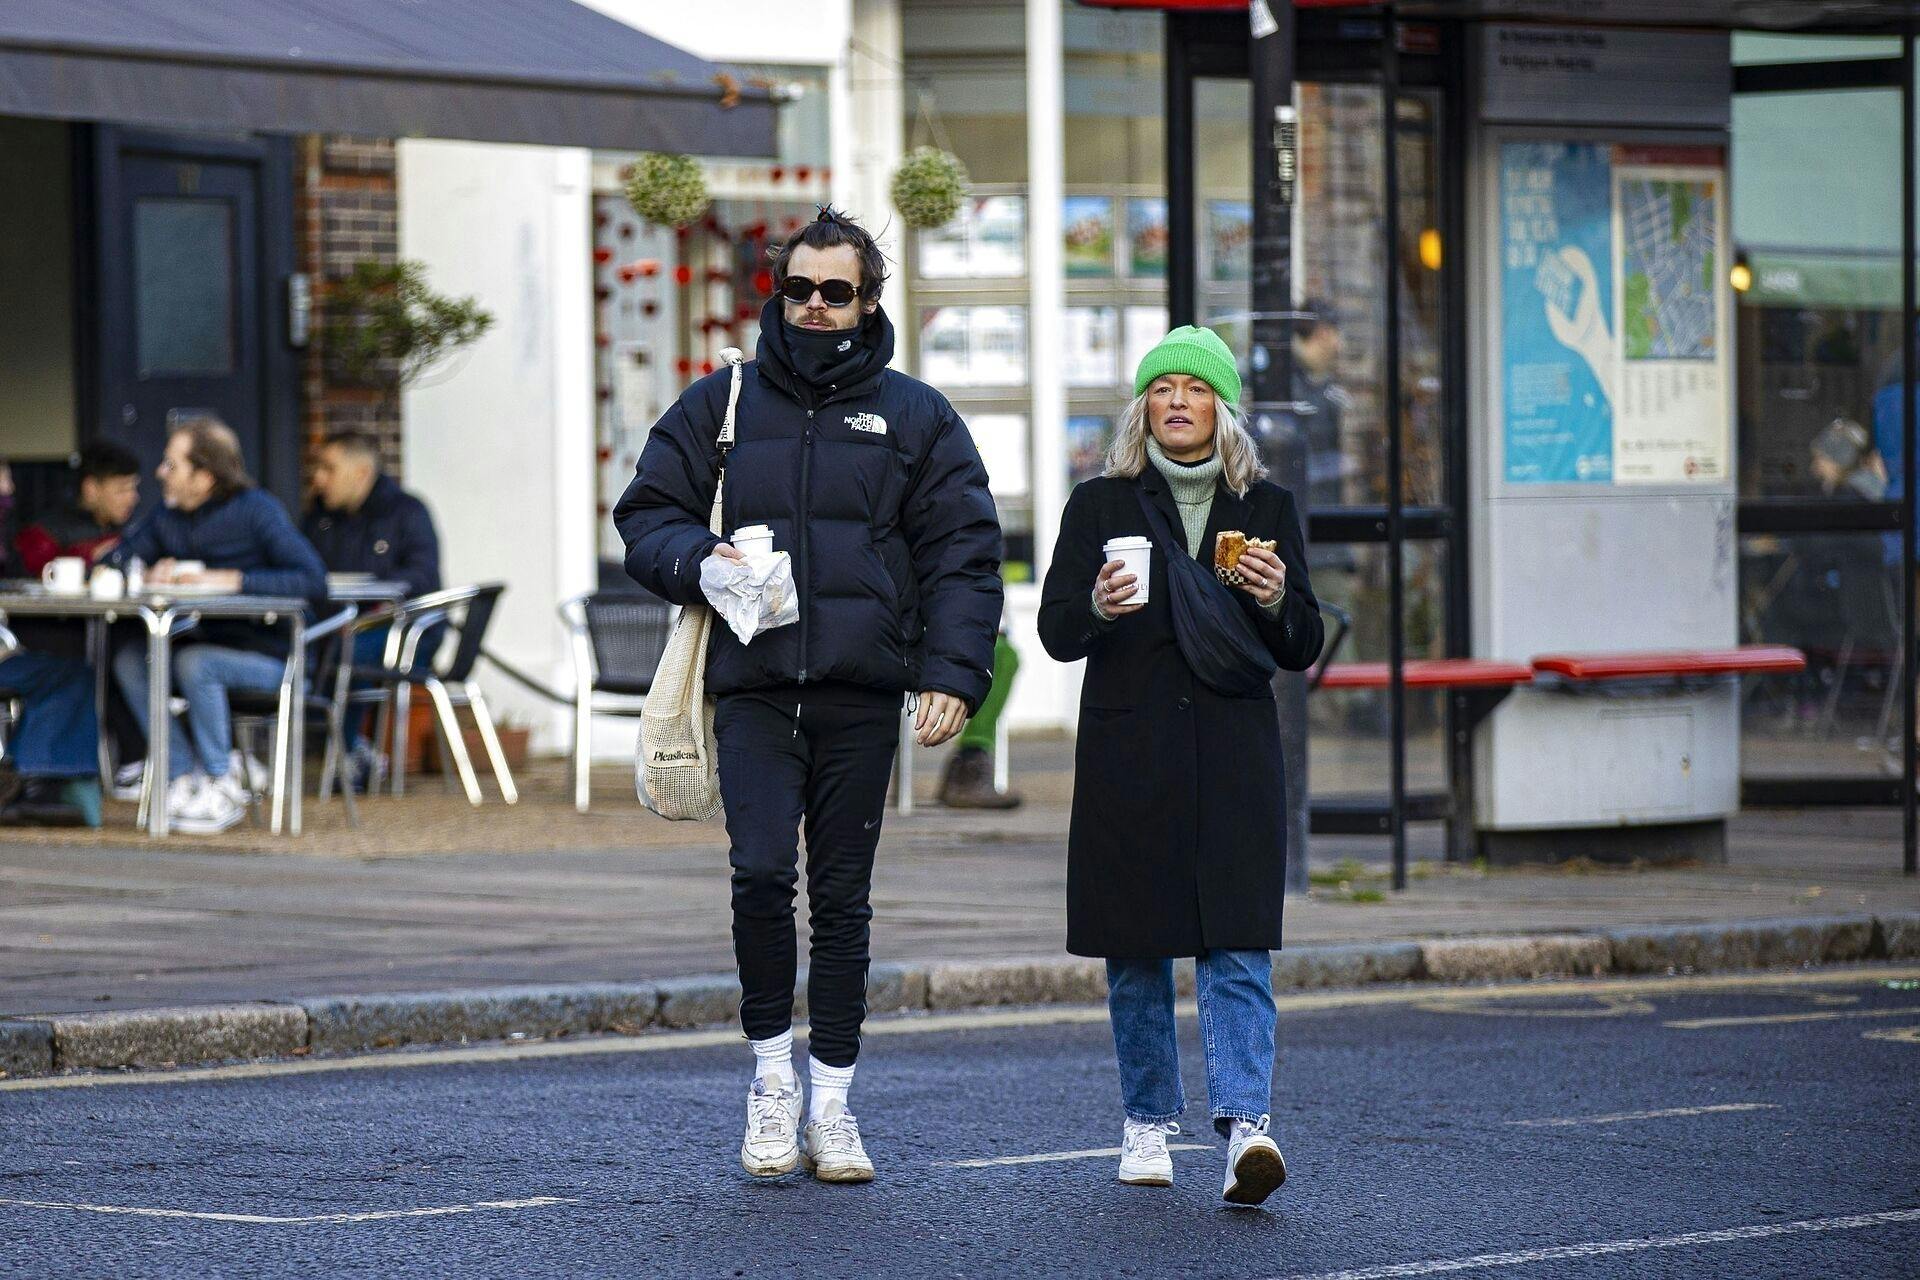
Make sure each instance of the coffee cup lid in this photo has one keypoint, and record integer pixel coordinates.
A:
(1130, 543)
(753, 531)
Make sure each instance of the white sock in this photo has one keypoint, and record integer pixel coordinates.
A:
(773, 1057)
(829, 1088)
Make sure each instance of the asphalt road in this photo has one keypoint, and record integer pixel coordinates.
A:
(1681, 1127)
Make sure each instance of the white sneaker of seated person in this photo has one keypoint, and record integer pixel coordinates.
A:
(127, 780)
(1144, 1158)
(1254, 1167)
(772, 1144)
(830, 1148)
(218, 804)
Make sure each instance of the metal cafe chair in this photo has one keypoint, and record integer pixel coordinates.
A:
(617, 639)
(447, 676)
(326, 695)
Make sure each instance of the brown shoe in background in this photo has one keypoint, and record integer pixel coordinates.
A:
(968, 783)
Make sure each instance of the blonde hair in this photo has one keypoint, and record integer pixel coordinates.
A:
(1240, 464)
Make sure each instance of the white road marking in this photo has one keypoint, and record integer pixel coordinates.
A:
(1898, 1035)
(377, 1215)
(915, 1024)
(1602, 1248)
(1621, 1117)
(1604, 1006)
(1051, 1157)
(1776, 1019)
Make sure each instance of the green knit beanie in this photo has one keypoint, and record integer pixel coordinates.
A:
(1196, 352)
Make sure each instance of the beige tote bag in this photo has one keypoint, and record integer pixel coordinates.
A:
(676, 770)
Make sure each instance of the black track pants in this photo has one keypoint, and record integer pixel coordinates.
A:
(782, 762)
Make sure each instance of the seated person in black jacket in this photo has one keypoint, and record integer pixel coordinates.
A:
(361, 521)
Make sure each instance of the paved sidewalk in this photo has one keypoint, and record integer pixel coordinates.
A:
(123, 925)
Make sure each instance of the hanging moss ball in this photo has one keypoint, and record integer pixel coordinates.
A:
(668, 190)
(928, 187)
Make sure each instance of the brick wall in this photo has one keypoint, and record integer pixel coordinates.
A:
(346, 212)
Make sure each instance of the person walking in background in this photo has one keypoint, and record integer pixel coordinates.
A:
(362, 522)
(106, 490)
(216, 530)
(1177, 843)
(870, 480)
(967, 782)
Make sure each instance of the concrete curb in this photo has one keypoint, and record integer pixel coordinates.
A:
(38, 1045)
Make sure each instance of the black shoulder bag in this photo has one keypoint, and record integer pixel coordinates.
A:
(1215, 635)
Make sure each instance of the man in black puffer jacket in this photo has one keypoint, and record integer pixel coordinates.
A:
(871, 482)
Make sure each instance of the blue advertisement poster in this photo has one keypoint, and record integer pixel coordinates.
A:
(1558, 346)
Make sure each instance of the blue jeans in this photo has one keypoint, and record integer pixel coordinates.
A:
(58, 735)
(202, 674)
(1235, 995)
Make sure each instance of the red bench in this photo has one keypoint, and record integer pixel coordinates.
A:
(1429, 673)
(1752, 659)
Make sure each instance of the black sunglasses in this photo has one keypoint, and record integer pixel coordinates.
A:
(836, 293)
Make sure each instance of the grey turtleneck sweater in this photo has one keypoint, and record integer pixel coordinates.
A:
(1192, 485)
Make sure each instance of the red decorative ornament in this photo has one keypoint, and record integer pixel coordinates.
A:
(649, 308)
(603, 255)
(606, 393)
(626, 231)
(628, 274)
(706, 366)
(600, 219)
(742, 312)
(826, 175)
(681, 233)
(602, 340)
(606, 453)
(684, 366)
(763, 282)
(802, 172)
(601, 293)
(683, 275)
(777, 172)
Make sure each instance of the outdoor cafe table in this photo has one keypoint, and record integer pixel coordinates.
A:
(161, 611)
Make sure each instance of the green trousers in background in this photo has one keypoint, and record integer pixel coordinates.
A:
(1006, 664)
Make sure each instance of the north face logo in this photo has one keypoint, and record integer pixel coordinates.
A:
(871, 423)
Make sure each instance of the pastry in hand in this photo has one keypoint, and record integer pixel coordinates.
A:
(1228, 547)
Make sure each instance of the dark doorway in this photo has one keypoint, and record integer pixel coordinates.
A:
(192, 245)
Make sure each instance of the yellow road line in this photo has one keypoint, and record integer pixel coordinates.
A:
(1053, 1157)
(1622, 1117)
(974, 1020)
(1774, 1019)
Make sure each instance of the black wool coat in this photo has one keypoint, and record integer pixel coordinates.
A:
(1178, 840)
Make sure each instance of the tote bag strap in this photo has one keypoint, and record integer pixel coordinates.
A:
(734, 358)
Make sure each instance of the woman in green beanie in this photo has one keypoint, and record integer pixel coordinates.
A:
(1178, 839)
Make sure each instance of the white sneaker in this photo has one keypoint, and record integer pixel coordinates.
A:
(1144, 1159)
(772, 1144)
(1254, 1167)
(220, 804)
(831, 1150)
(127, 779)
(183, 795)
(251, 771)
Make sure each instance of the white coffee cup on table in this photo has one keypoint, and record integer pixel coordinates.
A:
(65, 576)
(1136, 553)
(107, 583)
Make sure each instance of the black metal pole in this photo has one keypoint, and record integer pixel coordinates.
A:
(1909, 369)
(1396, 531)
(1276, 138)
(1182, 248)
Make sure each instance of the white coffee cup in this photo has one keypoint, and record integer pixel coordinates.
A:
(65, 576)
(107, 583)
(1137, 554)
(753, 541)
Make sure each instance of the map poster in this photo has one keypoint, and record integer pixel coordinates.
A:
(1614, 314)
(1670, 410)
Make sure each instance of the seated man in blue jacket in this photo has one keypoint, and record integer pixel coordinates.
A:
(362, 521)
(243, 541)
